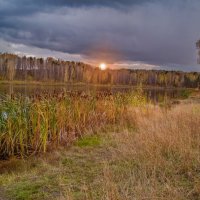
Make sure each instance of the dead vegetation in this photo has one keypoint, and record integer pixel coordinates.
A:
(157, 158)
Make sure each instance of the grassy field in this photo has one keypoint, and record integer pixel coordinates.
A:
(145, 152)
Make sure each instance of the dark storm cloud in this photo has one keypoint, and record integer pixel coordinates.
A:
(23, 7)
(158, 32)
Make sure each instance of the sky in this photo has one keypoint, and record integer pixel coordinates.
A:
(150, 34)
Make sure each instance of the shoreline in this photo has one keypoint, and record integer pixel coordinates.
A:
(39, 83)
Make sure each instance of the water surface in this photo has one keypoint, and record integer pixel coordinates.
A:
(153, 94)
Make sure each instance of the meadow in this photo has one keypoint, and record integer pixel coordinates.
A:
(98, 146)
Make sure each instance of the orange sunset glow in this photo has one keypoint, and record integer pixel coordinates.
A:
(102, 66)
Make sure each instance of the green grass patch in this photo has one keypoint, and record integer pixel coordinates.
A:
(31, 186)
(185, 94)
(89, 141)
(26, 191)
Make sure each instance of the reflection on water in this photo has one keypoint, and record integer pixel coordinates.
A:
(155, 94)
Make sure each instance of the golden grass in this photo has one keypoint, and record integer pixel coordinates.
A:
(158, 159)
(163, 156)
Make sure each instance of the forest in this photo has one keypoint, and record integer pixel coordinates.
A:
(14, 67)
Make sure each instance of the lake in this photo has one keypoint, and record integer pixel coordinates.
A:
(153, 94)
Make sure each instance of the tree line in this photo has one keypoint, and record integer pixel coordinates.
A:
(13, 67)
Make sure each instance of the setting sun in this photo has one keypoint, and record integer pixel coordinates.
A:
(103, 66)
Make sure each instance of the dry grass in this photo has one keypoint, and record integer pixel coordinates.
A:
(163, 156)
(159, 159)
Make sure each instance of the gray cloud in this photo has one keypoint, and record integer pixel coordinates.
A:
(26, 7)
(22, 50)
(156, 32)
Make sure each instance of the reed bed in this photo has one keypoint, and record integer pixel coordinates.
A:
(29, 125)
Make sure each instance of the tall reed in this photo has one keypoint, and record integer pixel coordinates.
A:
(30, 125)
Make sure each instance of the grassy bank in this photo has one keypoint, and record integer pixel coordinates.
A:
(42, 83)
(54, 83)
(157, 158)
